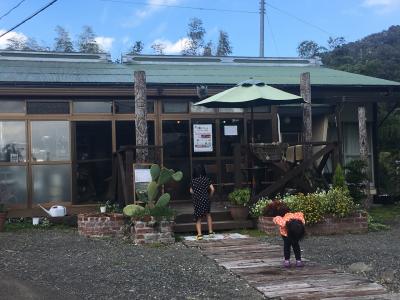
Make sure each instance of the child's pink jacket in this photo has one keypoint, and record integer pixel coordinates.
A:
(281, 221)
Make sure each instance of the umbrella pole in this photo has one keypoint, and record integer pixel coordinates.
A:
(252, 124)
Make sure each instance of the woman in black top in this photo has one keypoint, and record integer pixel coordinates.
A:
(201, 189)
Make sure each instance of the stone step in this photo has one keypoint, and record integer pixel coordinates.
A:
(217, 225)
(187, 217)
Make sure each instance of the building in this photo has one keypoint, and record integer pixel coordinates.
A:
(62, 115)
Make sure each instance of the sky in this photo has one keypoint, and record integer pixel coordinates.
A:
(119, 23)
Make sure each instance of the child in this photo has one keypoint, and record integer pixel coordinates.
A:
(292, 231)
(199, 188)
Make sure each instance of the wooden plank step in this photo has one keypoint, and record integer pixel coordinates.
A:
(217, 226)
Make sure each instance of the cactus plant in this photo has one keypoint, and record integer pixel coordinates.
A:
(132, 209)
(161, 176)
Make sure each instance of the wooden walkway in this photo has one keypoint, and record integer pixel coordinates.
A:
(260, 264)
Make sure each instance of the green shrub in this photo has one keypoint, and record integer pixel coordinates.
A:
(338, 202)
(339, 180)
(240, 197)
(2, 208)
(356, 178)
(257, 209)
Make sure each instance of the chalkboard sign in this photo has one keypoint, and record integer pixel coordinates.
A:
(141, 179)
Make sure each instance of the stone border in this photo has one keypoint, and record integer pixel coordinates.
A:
(101, 225)
(152, 232)
(355, 223)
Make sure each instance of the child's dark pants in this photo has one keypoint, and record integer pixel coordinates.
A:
(287, 243)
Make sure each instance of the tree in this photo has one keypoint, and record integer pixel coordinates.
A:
(207, 50)
(62, 42)
(310, 49)
(224, 47)
(137, 48)
(87, 42)
(195, 36)
(158, 48)
(337, 42)
(16, 43)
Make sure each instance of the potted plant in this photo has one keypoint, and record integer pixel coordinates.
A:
(3, 215)
(239, 200)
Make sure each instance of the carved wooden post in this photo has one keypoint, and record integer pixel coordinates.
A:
(141, 115)
(305, 92)
(363, 141)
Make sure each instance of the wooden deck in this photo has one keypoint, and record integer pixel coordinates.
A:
(260, 264)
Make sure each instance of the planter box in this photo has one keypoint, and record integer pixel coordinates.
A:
(152, 232)
(239, 213)
(355, 223)
(101, 225)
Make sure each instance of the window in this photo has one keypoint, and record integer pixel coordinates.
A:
(128, 106)
(201, 109)
(12, 141)
(13, 185)
(51, 183)
(50, 140)
(85, 107)
(12, 106)
(171, 107)
(44, 107)
(231, 110)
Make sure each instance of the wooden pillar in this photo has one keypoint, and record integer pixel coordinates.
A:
(237, 164)
(339, 131)
(141, 115)
(305, 92)
(363, 142)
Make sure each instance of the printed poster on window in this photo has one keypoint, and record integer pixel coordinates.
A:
(230, 130)
(202, 138)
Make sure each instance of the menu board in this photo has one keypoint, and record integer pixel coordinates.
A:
(141, 179)
(202, 138)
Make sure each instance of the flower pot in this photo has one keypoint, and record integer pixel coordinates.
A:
(3, 216)
(239, 213)
(103, 209)
(35, 221)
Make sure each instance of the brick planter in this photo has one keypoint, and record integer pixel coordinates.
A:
(153, 232)
(355, 223)
(101, 225)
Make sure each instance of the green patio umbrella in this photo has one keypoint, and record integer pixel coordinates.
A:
(248, 94)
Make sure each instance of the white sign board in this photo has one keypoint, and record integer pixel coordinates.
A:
(202, 138)
(230, 130)
(142, 175)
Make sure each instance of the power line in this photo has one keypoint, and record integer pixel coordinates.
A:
(272, 34)
(301, 20)
(16, 6)
(184, 7)
(28, 18)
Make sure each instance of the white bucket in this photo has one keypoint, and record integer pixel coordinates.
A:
(35, 221)
(102, 209)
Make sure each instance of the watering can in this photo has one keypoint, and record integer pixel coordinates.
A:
(55, 211)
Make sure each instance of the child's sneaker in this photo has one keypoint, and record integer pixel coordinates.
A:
(286, 263)
(299, 264)
(199, 237)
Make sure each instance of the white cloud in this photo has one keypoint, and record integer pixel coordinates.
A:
(15, 35)
(105, 42)
(172, 47)
(151, 7)
(382, 6)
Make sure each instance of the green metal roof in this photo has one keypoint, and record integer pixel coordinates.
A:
(63, 68)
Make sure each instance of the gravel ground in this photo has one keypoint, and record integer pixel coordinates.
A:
(378, 250)
(59, 264)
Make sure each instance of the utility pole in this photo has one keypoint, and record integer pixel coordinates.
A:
(262, 13)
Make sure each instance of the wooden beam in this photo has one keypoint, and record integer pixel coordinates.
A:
(305, 92)
(141, 115)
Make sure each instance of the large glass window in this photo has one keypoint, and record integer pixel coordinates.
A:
(128, 106)
(12, 107)
(47, 107)
(12, 141)
(51, 183)
(99, 107)
(231, 131)
(171, 107)
(126, 133)
(201, 109)
(50, 140)
(262, 131)
(13, 185)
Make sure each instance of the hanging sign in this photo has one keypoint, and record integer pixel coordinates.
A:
(230, 130)
(202, 138)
